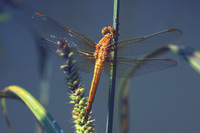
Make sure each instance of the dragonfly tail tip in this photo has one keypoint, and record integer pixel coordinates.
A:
(39, 14)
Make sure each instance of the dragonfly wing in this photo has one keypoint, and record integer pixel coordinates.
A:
(84, 61)
(54, 31)
(143, 45)
(128, 67)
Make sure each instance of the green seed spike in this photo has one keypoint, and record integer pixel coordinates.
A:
(82, 86)
(82, 129)
(63, 67)
(72, 102)
(73, 99)
(75, 77)
(77, 109)
(61, 54)
(76, 113)
(81, 102)
(75, 117)
(74, 61)
(76, 105)
(75, 83)
(82, 94)
(68, 81)
(78, 121)
(78, 97)
(75, 72)
(71, 96)
(69, 84)
(78, 127)
(89, 128)
(80, 115)
(84, 98)
(70, 54)
(82, 111)
(81, 106)
(71, 75)
(73, 68)
(81, 89)
(88, 123)
(71, 89)
(79, 78)
(67, 78)
(77, 91)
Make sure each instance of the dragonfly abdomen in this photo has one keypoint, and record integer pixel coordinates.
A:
(95, 81)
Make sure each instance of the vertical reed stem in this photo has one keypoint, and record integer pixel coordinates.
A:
(113, 71)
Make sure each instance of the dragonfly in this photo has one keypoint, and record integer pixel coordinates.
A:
(90, 55)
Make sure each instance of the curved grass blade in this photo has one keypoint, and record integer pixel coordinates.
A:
(189, 54)
(42, 116)
(3, 105)
(123, 104)
(123, 90)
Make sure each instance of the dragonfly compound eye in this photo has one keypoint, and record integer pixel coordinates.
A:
(105, 30)
(109, 30)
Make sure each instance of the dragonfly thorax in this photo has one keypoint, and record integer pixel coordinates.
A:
(103, 47)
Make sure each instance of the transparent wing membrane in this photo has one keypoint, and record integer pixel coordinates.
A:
(54, 31)
(134, 67)
(143, 45)
(85, 61)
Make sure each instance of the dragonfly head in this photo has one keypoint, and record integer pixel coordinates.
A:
(108, 30)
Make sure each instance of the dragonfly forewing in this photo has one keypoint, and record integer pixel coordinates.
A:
(143, 45)
(54, 31)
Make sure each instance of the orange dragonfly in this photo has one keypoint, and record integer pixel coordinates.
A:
(89, 55)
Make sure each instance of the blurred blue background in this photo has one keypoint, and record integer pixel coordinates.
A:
(167, 101)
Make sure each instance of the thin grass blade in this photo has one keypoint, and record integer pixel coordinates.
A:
(189, 54)
(42, 116)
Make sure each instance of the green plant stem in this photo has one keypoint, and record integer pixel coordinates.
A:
(113, 71)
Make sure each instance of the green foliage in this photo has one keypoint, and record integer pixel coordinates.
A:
(43, 117)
